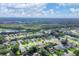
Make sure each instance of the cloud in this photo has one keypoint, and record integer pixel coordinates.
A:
(74, 9)
(23, 9)
(74, 12)
(71, 10)
(38, 10)
(26, 10)
(68, 4)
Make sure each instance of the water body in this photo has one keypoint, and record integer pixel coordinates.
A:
(39, 20)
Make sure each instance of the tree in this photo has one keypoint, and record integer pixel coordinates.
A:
(76, 52)
(43, 52)
(15, 49)
(32, 50)
(4, 49)
(2, 39)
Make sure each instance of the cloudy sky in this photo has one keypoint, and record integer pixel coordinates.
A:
(47, 10)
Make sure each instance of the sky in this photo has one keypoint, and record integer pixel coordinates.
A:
(40, 10)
